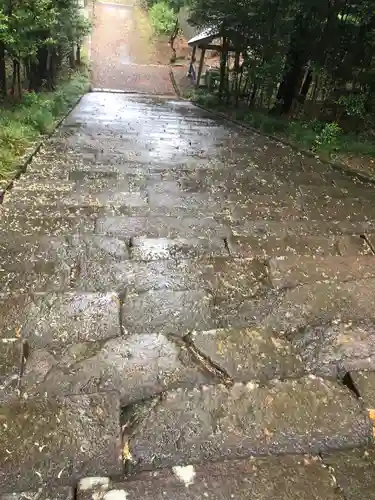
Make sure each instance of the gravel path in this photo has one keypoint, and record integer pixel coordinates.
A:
(123, 55)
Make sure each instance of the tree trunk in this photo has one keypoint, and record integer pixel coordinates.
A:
(3, 73)
(19, 84)
(223, 67)
(295, 64)
(173, 38)
(14, 77)
(78, 55)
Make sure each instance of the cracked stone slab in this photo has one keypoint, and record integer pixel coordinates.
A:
(181, 248)
(70, 317)
(43, 493)
(284, 478)
(308, 415)
(58, 439)
(353, 471)
(249, 354)
(11, 353)
(137, 367)
(274, 246)
(319, 304)
(291, 271)
(334, 349)
(161, 227)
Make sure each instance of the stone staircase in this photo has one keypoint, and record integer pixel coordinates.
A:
(186, 312)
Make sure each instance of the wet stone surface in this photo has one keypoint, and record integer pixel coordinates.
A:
(56, 319)
(51, 439)
(308, 415)
(287, 478)
(168, 277)
(334, 349)
(353, 471)
(43, 493)
(364, 381)
(137, 366)
(249, 354)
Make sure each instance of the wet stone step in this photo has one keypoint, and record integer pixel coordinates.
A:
(29, 224)
(62, 439)
(284, 478)
(320, 304)
(279, 245)
(58, 319)
(291, 271)
(161, 227)
(180, 248)
(346, 209)
(249, 354)
(309, 415)
(334, 349)
(167, 312)
(136, 366)
(353, 471)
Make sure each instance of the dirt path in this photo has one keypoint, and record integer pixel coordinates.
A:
(123, 55)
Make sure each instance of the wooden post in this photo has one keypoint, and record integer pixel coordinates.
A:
(203, 51)
(192, 60)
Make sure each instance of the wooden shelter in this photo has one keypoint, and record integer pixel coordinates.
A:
(204, 41)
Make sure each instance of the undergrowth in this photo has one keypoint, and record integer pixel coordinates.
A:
(325, 138)
(22, 123)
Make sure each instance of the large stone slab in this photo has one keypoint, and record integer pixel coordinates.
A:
(320, 304)
(334, 349)
(284, 478)
(167, 312)
(214, 423)
(249, 354)
(138, 367)
(65, 318)
(291, 271)
(46, 440)
(353, 471)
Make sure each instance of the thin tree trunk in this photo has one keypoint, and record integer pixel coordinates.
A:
(223, 67)
(3, 73)
(19, 79)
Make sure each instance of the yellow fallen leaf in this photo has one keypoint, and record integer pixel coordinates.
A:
(371, 414)
(126, 455)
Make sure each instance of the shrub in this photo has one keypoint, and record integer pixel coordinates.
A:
(162, 18)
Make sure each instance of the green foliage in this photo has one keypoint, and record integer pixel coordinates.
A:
(36, 114)
(162, 18)
(353, 104)
(329, 135)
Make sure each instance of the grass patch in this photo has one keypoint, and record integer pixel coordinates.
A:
(320, 137)
(25, 122)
